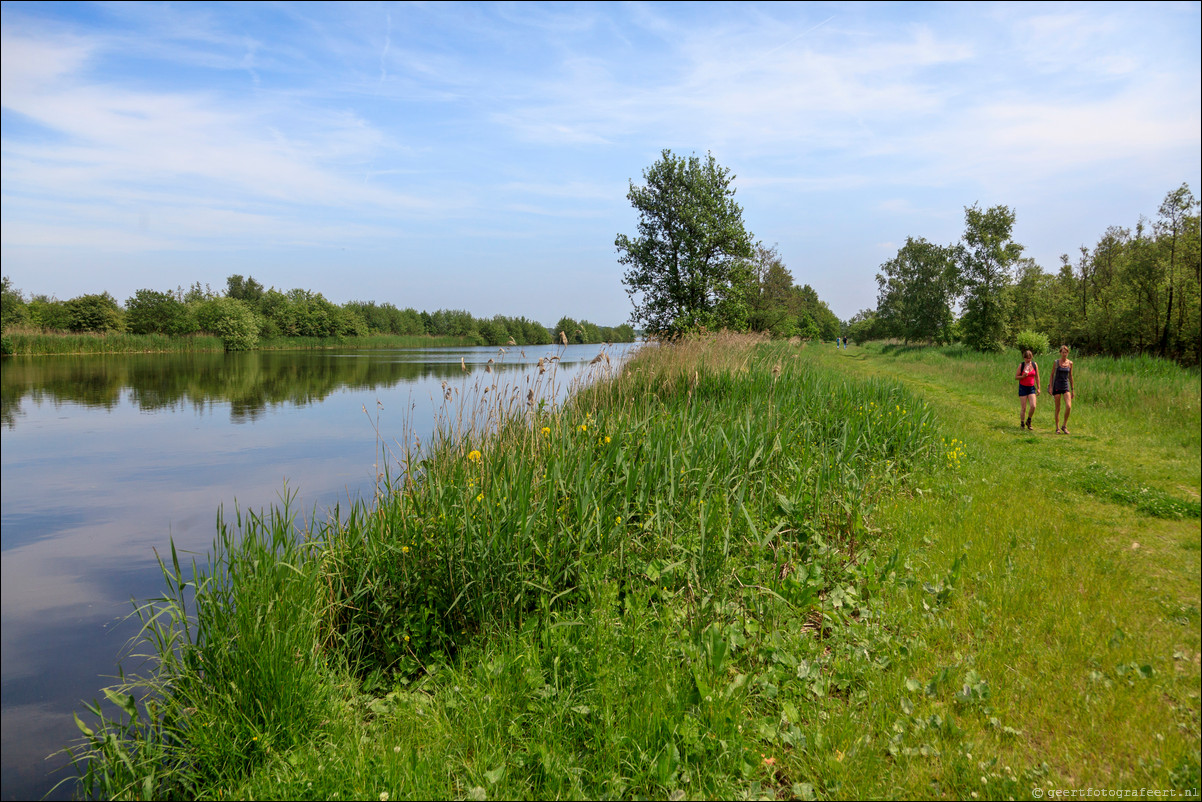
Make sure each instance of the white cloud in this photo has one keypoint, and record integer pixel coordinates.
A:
(115, 143)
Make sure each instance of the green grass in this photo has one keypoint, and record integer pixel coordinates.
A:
(736, 570)
(20, 343)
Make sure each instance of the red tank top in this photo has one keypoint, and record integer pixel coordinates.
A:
(1027, 374)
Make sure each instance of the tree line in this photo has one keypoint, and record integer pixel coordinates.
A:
(246, 311)
(1135, 291)
(693, 266)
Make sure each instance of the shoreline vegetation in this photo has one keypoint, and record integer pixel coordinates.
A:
(19, 343)
(732, 569)
(246, 317)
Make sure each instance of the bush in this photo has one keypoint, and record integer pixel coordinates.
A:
(99, 313)
(13, 310)
(152, 312)
(231, 320)
(1032, 341)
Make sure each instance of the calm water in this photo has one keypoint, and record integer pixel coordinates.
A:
(106, 459)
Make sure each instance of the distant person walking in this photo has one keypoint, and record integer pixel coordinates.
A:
(1028, 389)
(1061, 386)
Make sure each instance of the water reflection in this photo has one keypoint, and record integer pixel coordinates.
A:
(107, 458)
(250, 382)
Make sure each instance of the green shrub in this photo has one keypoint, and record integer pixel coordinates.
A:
(1033, 341)
(231, 320)
(152, 312)
(13, 309)
(98, 313)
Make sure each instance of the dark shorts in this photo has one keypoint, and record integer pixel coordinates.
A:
(1025, 391)
(1060, 391)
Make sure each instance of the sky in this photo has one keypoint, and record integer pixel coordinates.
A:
(478, 156)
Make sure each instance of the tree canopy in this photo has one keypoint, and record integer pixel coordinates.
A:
(1136, 291)
(917, 290)
(687, 268)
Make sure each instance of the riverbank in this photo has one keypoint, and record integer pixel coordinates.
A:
(740, 569)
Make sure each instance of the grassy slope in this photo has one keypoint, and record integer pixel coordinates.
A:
(1081, 613)
(998, 629)
(1056, 652)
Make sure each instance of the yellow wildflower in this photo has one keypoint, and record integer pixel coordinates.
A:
(473, 455)
(546, 430)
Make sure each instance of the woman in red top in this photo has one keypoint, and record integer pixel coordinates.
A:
(1028, 389)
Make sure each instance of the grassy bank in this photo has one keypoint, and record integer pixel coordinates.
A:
(23, 343)
(736, 570)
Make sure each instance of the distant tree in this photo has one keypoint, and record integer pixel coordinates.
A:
(242, 289)
(232, 320)
(569, 329)
(809, 305)
(197, 293)
(350, 322)
(1170, 230)
(687, 268)
(863, 326)
(153, 312)
(1030, 306)
(494, 332)
(48, 313)
(772, 305)
(13, 309)
(986, 256)
(623, 333)
(95, 313)
(917, 288)
(807, 327)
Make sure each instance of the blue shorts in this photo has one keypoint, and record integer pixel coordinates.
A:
(1025, 391)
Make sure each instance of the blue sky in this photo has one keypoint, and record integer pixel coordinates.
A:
(478, 156)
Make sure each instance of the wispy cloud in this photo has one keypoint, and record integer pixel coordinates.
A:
(424, 130)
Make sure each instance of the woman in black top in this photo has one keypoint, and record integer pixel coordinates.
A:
(1061, 386)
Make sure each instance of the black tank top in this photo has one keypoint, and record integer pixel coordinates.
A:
(1061, 381)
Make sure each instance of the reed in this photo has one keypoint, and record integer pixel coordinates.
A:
(30, 343)
(230, 670)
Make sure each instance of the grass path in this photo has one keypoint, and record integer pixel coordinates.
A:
(1078, 610)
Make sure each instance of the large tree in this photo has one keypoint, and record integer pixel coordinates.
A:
(1173, 221)
(917, 290)
(987, 257)
(687, 269)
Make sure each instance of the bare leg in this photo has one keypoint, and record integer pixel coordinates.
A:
(1057, 397)
(1068, 407)
(1030, 410)
(1022, 410)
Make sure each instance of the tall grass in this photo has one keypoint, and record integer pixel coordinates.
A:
(706, 456)
(27, 343)
(232, 672)
(724, 480)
